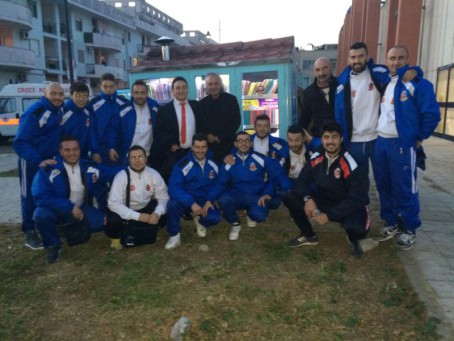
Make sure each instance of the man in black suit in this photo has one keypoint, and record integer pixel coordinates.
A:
(176, 124)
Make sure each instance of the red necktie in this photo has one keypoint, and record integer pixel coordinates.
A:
(183, 123)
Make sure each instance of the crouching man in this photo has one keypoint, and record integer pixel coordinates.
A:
(137, 203)
(189, 186)
(331, 187)
(63, 194)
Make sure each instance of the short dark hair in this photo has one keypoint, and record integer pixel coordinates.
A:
(107, 77)
(295, 129)
(331, 126)
(262, 117)
(199, 137)
(66, 138)
(139, 82)
(179, 78)
(79, 87)
(358, 45)
(242, 132)
(137, 147)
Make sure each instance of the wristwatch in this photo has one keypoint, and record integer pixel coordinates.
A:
(306, 198)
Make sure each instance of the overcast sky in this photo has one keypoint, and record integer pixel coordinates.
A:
(309, 21)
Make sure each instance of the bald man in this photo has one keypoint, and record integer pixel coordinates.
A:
(318, 100)
(36, 144)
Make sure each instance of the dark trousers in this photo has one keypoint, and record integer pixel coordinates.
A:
(356, 225)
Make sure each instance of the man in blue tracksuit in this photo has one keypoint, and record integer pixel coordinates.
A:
(247, 184)
(104, 107)
(64, 192)
(357, 103)
(36, 143)
(409, 114)
(189, 189)
(76, 119)
(136, 123)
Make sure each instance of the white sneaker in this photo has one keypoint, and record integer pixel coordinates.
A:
(250, 222)
(173, 242)
(201, 230)
(235, 231)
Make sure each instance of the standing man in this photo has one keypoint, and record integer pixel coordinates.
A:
(177, 122)
(137, 121)
(76, 118)
(189, 185)
(137, 203)
(332, 187)
(247, 184)
(64, 193)
(220, 117)
(36, 143)
(409, 114)
(105, 106)
(318, 101)
(357, 103)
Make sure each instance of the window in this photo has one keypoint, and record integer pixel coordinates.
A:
(78, 25)
(445, 97)
(33, 8)
(308, 64)
(132, 4)
(129, 37)
(81, 56)
(7, 105)
(118, 5)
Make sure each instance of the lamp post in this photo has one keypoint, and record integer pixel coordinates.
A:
(68, 38)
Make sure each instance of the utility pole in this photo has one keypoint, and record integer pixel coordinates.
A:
(68, 38)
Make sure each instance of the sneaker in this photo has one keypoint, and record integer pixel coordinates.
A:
(387, 232)
(32, 240)
(356, 249)
(173, 242)
(201, 230)
(187, 216)
(235, 231)
(115, 244)
(250, 222)
(406, 240)
(130, 241)
(53, 254)
(303, 240)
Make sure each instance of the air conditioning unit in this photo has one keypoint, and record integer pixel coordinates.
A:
(24, 34)
(90, 49)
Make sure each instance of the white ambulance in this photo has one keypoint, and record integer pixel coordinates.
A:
(15, 99)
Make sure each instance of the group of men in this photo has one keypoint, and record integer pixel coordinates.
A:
(385, 113)
(132, 167)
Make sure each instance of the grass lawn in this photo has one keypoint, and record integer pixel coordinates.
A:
(253, 289)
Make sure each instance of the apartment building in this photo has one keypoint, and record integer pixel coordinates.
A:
(107, 36)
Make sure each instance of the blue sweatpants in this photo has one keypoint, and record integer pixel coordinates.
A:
(395, 176)
(232, 200)
(26, 174)
(362, 152)
(175, 210)
(47, 221)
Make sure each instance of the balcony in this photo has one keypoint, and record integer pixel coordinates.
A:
(104, 41)
(17, 14)
(96, 70)
(16, 58)
(106, 11)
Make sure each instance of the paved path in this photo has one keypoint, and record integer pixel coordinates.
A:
(430, 264)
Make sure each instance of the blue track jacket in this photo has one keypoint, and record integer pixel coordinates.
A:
(38, 136)
(189, 183)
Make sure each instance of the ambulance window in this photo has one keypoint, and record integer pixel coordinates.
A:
(7, 105)
(27, 102)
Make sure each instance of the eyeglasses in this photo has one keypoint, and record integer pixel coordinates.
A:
(137, 157)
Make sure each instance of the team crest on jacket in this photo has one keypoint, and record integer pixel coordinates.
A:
(273, 155)
(403, 96)
(132, 188)
(94, 178)
(252, 167)
(353, 93)
(371, 87)
(211, 175)
(337, 173)
(87, 122)
(148, 187)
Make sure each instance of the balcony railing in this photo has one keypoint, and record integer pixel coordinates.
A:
(99, 69)
(17, 57)
(107, 41)
(16, 13)
(105, 10)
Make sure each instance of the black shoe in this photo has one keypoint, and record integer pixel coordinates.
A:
(303, 240)
(130, 241)
(32, 240)
(187, 216)
(53, 254)
(356, 249)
